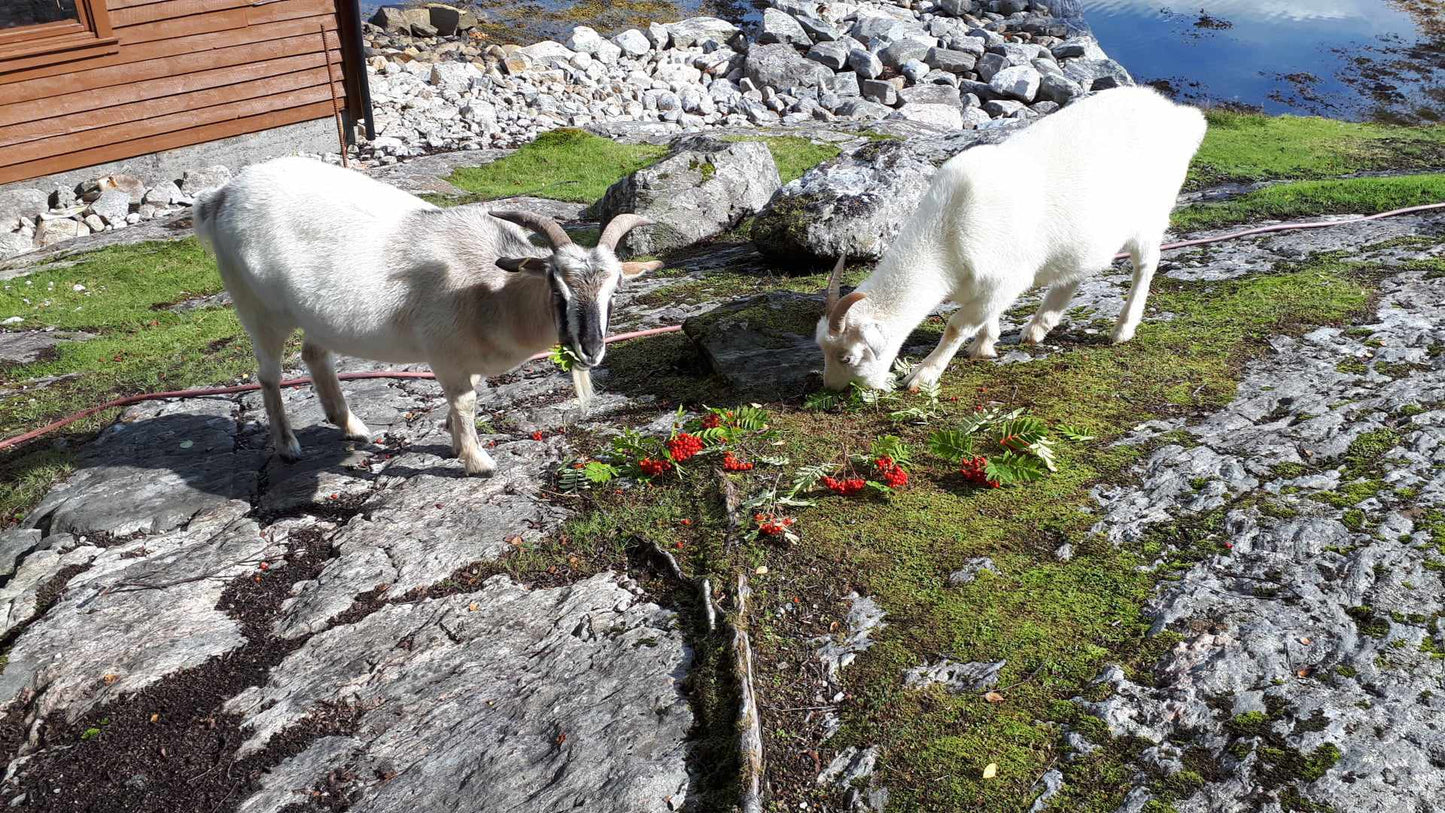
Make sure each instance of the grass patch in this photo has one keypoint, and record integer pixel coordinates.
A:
(139, 346)
(566, 164)
(794, 155)
(1248, 147)
(1313, 198)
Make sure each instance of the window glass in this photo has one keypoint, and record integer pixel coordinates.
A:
(19, 13)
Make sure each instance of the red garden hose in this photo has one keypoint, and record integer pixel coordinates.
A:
(9, 443)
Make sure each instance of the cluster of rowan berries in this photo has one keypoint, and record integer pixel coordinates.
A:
(847, 486)
(711, 421)
(683, 446)
(772, 525)
(731, 463)
(653, 467)
(890, 472)
(975, 470)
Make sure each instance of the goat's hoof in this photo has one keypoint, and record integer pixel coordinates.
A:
(922, 377)
(988, 352)
(356, 430)
(289, 450)
(1121, 336)
(1033, 334)
(479, 466)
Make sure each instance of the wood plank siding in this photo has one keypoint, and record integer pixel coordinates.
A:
(184, 72)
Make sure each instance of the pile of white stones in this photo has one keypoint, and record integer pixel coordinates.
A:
(954, 64)
(33, 218)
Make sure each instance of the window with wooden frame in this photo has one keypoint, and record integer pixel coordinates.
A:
(43, 32)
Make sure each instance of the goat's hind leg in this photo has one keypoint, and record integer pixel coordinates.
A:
(268, 341)
(328, 389)
(1145, 256)
(461, 392)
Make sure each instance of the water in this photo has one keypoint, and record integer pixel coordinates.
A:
(1357, 59)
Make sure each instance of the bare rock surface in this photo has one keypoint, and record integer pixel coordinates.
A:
(551, 676)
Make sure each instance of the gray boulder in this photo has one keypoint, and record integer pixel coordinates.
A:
(449, 21)
(957, 8)
(702, 188)
(58, 230)
(831, 55)
(943, 116)
(700, 30)
(901, 51)
(1079, 47)
(851, 206)
(780, 67)
(1097, 74)
(862, 110)
(778, 27)
(112, 205)
(27, 346)
(764, 345)
(504, 698)
(855, 204)
(865, 63)
(203, 180)
(879, 91)
(18, 203)
(819, 30)
(15, 243)
(1019, 82)
(946, 59)
(1059, 89)
(931, 94)
(632, 42)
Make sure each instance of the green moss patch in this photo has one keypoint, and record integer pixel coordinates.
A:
(565, 164)
(1301, 199)
(1254, 147)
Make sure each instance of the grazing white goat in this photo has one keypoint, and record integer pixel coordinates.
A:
(368, 270)
(1049, 207)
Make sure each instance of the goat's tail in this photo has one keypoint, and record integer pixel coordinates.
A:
(204, 212)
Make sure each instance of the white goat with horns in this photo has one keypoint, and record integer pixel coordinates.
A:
(368, 270)
(1049, 206)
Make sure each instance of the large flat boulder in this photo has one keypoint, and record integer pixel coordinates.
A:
(762, 345)
(702, 188)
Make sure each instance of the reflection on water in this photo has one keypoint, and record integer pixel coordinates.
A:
(1378, 59)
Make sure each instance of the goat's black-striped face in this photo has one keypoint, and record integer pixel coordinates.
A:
(584, 284)
(584, 281)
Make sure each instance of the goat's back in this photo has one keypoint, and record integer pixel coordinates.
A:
(1082, 182)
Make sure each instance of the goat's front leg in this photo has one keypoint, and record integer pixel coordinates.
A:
(1050, 312)
(461, 392)
(983, 341)
(960, 327)
(1145, 259)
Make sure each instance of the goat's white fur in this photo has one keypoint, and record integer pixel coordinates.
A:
(1048, 207)
(368, 270)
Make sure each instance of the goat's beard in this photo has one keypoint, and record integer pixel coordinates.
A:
(582, 384)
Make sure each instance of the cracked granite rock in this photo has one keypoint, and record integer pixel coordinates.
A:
(1316, 609)
(160, 465)
(955, 677)
(556, 699)
(137, 613)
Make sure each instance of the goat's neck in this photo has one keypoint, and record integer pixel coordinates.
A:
(525, 302)
(901, 294)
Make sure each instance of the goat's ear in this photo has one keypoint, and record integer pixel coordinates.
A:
(630, 270)
(531, 265)
(873, 337)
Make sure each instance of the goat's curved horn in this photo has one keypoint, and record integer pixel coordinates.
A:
(835, 316)
(545, 226)
(620, 226)
(835, 282)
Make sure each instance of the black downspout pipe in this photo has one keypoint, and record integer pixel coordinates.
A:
(358, 50)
